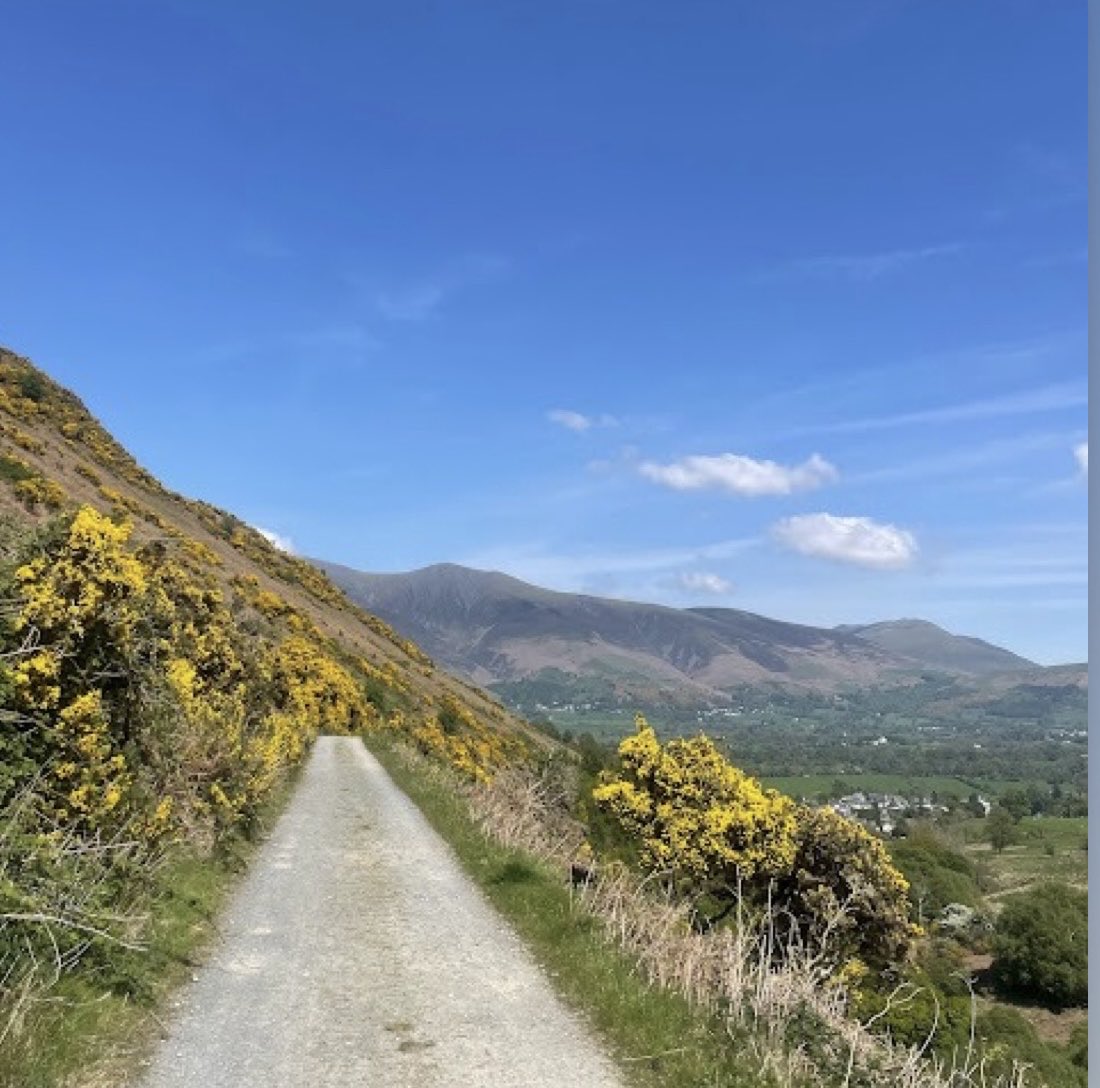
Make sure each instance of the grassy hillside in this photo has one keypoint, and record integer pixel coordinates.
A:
(163, 669)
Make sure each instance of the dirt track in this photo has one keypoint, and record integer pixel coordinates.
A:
(358, 953)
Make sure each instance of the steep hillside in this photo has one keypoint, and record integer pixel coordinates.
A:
(495, 628)
(938, 649)
(56, 458)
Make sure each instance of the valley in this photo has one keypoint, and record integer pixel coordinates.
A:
(903, 705)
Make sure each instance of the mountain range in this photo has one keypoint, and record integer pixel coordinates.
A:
(495, 630)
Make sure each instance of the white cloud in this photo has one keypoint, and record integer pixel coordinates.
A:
(1081, 452)
(572, 421)
(705, 582)
(577, 421)
(740, 475)
(277, 540)
(861, 541)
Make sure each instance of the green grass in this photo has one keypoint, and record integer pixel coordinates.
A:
(13, 469)
(814, 785)
(1046, 849)
(100, 1021)
(659, 1039)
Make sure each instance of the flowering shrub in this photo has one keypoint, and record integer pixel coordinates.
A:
(38, 491)
(695, 815)
(716, 832)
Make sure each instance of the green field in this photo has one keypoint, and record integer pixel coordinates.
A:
(818, 785)
(1047, 849)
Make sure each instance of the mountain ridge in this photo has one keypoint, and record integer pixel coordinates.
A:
(494, 628)
(55, 457)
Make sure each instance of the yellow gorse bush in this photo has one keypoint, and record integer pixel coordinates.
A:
(81, 593)
(133, 657)
(714, 830)
(694, 814)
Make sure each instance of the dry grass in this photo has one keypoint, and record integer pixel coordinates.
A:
(787, 1000)
(45, 931)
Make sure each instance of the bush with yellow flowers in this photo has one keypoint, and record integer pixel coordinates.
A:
(696, 816)
(843, 888)
(718, 836)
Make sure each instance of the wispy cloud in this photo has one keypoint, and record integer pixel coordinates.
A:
(421, 299)
(739, 475)
(1078, 256)
(1048, 398)
(965, 461)
(861, 267)
(1081, 453)
(581, 571)
(578, 421)
(339, 344)
(1027, 560)
(276, 540)
(857, 540)
(699, 581)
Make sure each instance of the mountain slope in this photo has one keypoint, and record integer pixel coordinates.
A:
(55, 458)
(938, 649)
(494, 628)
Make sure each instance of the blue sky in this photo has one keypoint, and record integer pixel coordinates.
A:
(776, 306)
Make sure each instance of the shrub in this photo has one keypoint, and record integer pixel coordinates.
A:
(1040, 944)
(1001, 828)
(699, 819)
(14, 469)
(720, 837)
(1006, 1037)
(842, 889)
(32, 385)
(38, 491)
(937, 874)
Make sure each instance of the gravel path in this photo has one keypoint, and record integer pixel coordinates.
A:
(358, 953)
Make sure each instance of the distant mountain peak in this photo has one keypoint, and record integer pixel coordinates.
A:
(932, 645)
